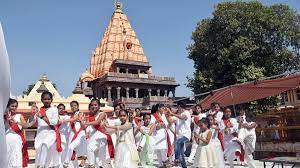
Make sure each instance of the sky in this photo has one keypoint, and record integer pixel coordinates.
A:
(57, 37)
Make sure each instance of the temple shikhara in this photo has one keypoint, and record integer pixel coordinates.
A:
(33, 96)
(119, 69)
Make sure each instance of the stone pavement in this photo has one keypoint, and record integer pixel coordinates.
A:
(257, 163)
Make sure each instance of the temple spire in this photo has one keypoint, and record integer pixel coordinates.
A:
(119, 41)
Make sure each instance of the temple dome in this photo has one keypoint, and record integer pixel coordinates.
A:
(86, 77)
(119, 42)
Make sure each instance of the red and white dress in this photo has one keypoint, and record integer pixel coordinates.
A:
(48, 141)
(100, 147)
(77, 142)
(163, 146)
(17, 155)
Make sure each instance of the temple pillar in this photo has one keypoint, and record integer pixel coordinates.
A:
(127, 70)
(173, 92)
(149, 92)
(158, 92)
(166, 93)
(127, 92)
(118, 69)
(136, 92)
(109, 93)
(118, 92)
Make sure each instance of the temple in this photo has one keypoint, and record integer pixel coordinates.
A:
(119, 69)
(33, 96)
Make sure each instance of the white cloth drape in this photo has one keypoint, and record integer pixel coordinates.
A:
(4, 94)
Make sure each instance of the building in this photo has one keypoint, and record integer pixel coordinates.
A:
(44, 84)
(119, 69)
(291, 98)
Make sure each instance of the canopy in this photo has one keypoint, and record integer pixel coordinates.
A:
(250, 91)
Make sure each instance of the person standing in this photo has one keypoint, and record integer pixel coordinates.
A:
(205, 155)
(183, 132)
(47, 141)
(247, 135)
(17, 154)
(229, 128)
(215, 141)
(126, 151)
(77, 139)
(146, 144)
(196, 117)
(64, 129)
(100, 148)
(163, 146)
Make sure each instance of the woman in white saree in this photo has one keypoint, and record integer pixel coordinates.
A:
(17, 154)
(47, 141)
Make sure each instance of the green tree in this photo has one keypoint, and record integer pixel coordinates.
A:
(243, 41)
(28, 90)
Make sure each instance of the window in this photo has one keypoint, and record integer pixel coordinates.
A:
(284, 98)
(122, 70)
(31, 103)
(298, 94)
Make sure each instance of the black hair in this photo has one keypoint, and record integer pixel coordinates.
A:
(74, 101)
(122, 105)
(47, 93)
(212, 104)
(146, 114)
(96, 100)
(210, 115)
(61, 105)
(181, 104)
(225, 110)
(216, 103)
(137, 109)
(205, 121)
(90, 106)
(11, 101)
(194, 110)
(116, 105)
(156, 107)
(198, 105)
(126, 112)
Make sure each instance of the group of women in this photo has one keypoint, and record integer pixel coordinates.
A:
(129, 138)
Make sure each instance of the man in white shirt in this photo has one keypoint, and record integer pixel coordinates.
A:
(183, 132)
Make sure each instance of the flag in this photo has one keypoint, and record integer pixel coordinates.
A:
(4, 94)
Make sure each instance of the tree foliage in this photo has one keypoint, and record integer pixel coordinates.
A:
(243, 41)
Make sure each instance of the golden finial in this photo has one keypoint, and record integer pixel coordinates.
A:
(44, 78)
(118, 6)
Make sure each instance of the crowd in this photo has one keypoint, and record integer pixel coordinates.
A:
(129, 138)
